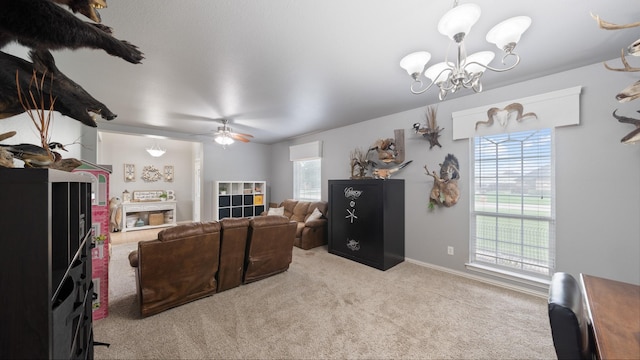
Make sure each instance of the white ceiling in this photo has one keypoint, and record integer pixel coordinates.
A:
(283, 68)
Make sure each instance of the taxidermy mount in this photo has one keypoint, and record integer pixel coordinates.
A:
(41, 24)
(503, 115)
(445, 186)
(389, 150)
(70, 99)
(431, 131)
(633, 136)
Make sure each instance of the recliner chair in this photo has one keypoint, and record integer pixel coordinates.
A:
(269, 247)
(178, 267)
(569, 325)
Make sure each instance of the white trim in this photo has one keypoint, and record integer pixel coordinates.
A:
(552, 109)
(542, 293)
(308, 151)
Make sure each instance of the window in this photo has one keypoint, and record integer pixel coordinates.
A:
(307, 180)
(513, 205)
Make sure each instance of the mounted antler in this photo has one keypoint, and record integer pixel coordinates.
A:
(611, 26)
(633, 49)
(633, 136)
(626, 68)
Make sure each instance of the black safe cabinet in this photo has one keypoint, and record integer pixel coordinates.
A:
(366, 221)
(45, 265)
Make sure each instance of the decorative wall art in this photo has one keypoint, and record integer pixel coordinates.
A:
(151, 174)
(168, 173)
(129, 172)
(632, 91)
(511, 111)
(147, 195)
(431, 131)
(445, 185)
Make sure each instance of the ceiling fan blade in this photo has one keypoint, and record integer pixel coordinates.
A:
(242, 134)
(238, 137)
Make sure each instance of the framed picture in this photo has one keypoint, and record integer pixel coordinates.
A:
(129, 172)
(168, 173)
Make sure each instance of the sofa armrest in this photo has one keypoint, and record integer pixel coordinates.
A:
(315, 223)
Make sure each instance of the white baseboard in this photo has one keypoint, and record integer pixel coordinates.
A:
(522, 289)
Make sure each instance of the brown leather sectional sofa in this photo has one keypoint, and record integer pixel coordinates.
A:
(309, 233)
(192, 261)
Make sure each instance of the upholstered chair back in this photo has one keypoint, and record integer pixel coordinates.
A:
(232, 247)
(269, 247)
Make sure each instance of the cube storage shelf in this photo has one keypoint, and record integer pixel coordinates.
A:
(239, 198)
(45, 262)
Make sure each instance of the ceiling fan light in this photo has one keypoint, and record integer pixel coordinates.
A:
(223, 140)
(481, 57)
(507, 33)
(414, 63)
(459, 20)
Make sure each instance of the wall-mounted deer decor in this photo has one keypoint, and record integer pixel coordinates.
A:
(445, 186)
(632, 91)
(633, 136)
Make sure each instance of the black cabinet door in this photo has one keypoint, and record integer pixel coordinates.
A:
(356, 221)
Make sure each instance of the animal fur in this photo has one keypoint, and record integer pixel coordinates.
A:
(85, 7)
(43, 25)
(70, 99)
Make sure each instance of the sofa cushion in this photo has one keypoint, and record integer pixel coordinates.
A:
(288, 206)
(300, 211)
(315, 215)
(276, 211)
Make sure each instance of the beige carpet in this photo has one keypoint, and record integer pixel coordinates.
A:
(327, 307)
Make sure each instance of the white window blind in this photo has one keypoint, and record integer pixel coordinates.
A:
(307, 180)
(513, 205)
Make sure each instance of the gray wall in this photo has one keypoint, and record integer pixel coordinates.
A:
(238, 162)
(117, 149)
(597, 177)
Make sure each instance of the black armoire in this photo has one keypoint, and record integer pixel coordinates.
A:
(366, 221)
(45, 265)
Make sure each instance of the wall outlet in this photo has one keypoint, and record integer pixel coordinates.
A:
(450, 250)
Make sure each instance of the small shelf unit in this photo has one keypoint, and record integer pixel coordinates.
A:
(148, 215)
(239, 198)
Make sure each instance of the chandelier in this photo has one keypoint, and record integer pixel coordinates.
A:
(465, 71)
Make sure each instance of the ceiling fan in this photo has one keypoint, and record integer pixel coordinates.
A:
(226, 136)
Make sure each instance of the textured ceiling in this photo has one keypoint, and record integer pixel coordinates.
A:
(283, 68)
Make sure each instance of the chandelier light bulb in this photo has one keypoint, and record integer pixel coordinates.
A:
(414, 63)
(437, 69)
(482, 57)
(507, 33)
(459, 20)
